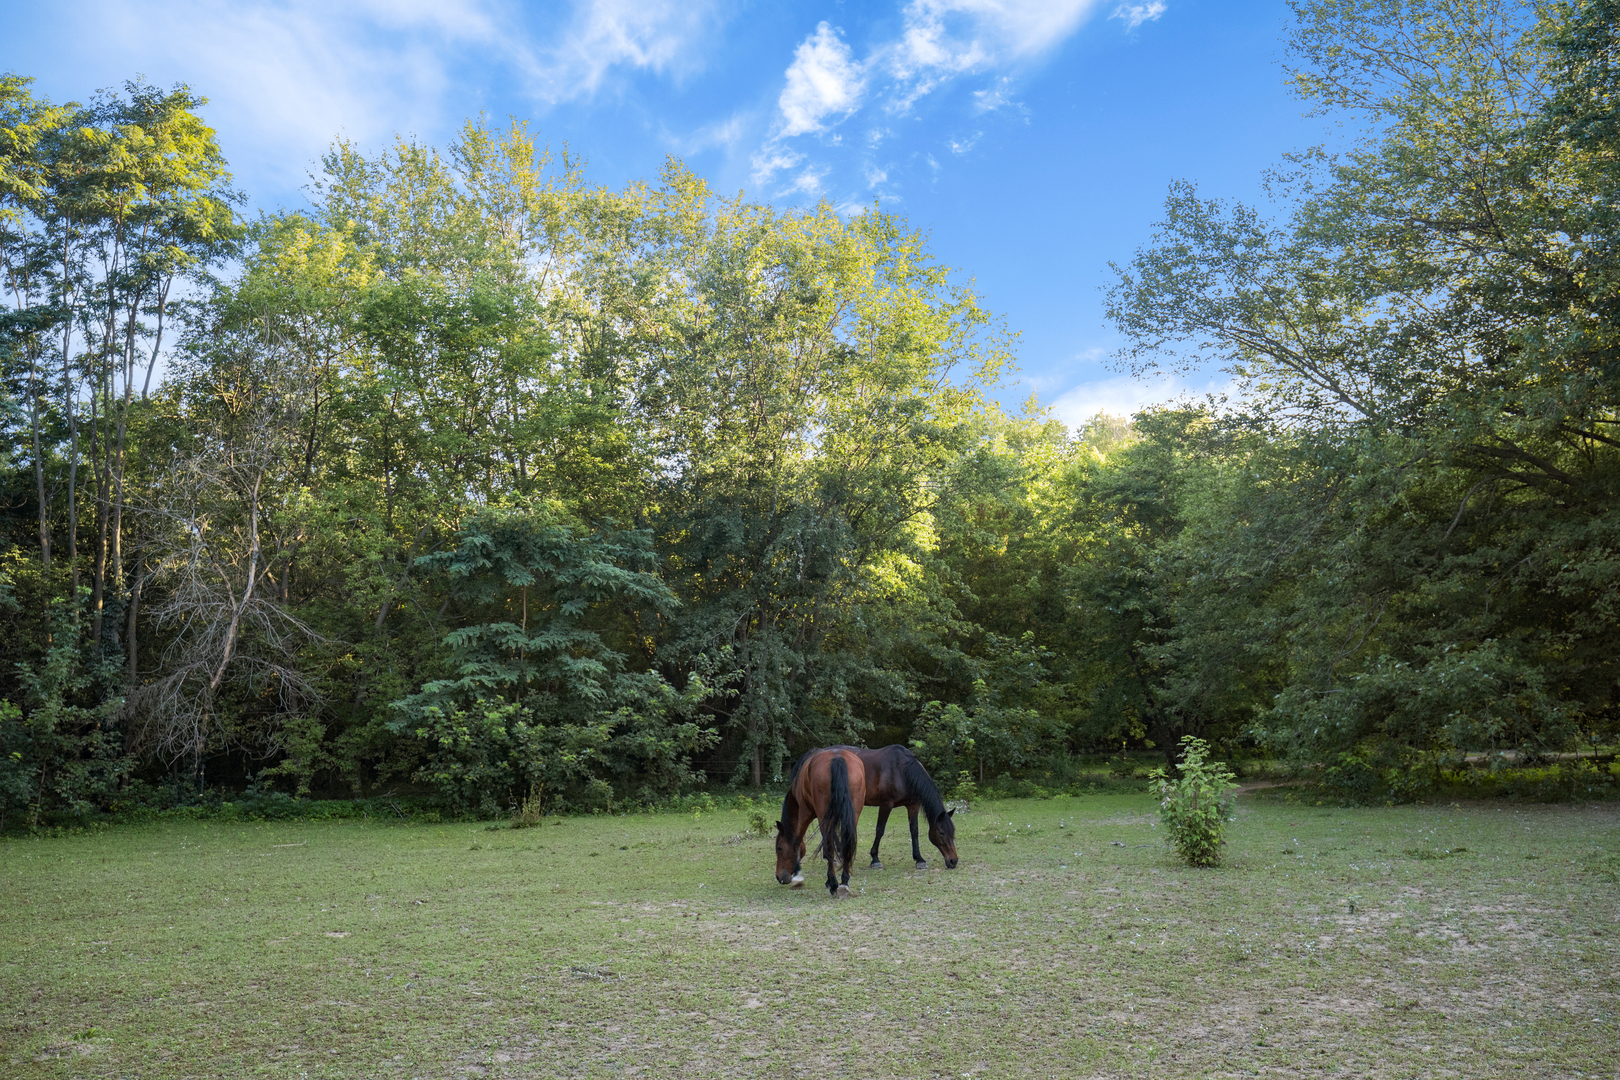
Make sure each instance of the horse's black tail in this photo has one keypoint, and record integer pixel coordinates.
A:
(838, 824)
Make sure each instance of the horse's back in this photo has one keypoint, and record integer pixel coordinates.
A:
(886, 775)
(814, 782)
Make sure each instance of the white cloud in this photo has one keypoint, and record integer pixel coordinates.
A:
(725, 133)
(939, 41)
(1123, 395)
(941, 38)
(288, 77)
(823, 81)
(772, 159)
(1135, 15)
(284, 77)
(809, 181)
(992, 98)
(659, 35)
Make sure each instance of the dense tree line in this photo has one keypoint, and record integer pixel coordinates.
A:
(478, 477)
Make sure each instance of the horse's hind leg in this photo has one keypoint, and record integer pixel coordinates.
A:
(883, 819)
(916, 852)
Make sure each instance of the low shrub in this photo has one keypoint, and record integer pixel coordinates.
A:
(1196, 805)
(1565, 781)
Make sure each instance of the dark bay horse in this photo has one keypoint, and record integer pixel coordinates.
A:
(894, 777)
(830, 786)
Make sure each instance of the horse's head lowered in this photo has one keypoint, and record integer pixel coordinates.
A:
(789, 853)
(942, 834)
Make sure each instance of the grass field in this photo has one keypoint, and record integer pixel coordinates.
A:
(1362, 942)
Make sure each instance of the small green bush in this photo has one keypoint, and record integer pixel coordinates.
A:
(1196, 806)
(529, 813)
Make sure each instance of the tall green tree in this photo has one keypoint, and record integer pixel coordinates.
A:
(1424, 322)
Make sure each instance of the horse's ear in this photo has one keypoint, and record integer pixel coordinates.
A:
(951, 812)
(779, 827)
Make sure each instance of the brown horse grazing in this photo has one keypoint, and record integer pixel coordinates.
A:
(829, 785)
(894, 777)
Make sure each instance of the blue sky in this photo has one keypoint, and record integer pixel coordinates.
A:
(1032, 139)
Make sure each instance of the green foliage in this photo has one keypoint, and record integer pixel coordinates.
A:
(1196, 805)
(60, 752)
(1419, 538)
(540, 701)
(982, 737)
(479, 477)
(759, 821)
(530, 811)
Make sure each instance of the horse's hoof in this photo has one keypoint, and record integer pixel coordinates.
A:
(842, 893)
(796, 883)
(876, 865)
(922, 864)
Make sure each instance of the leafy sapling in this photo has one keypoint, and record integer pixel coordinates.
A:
(1196, 806)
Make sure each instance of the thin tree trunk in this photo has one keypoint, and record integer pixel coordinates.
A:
(73, 465)
(115, 465)
(131, 642)
(34, 391)
(120, 452)
(163, 304)
(98, 456)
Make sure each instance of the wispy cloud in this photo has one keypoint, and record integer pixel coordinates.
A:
(658, 35)
(773, 158)
(994, 97)
(1135, 15)
(1122, 395)
(286, 76)
(809, 181)
(725, 134)
(941, 38)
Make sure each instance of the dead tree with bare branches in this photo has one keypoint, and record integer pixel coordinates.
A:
(232, 670)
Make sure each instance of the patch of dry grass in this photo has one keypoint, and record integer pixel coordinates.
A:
(1068, 944)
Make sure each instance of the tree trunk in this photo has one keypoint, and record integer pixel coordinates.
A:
(131, 642)
(71, 406)
(39, 465)
(98, 579)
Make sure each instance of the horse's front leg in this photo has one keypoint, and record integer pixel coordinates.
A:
(883, 819)
(832, 876)
(797, 881)
(916, 852)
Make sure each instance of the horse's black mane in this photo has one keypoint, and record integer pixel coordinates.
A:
(921, 784)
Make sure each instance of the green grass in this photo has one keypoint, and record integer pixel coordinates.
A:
(1407, 942)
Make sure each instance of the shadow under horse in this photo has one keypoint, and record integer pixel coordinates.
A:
(829, 785)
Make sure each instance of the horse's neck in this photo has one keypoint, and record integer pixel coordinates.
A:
(794, 818)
